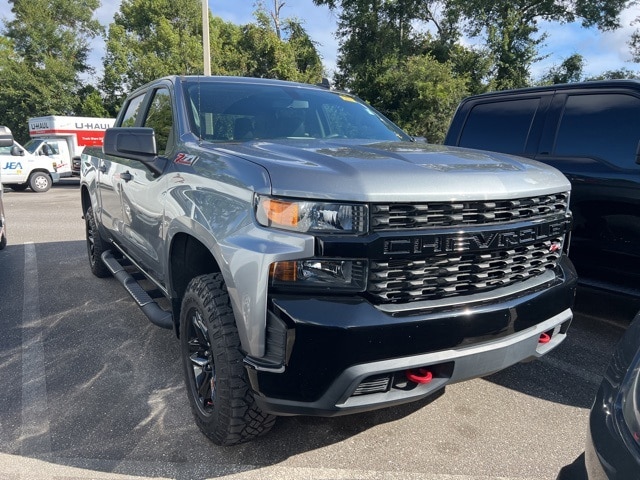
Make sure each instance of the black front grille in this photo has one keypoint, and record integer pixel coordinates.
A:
(447, 275)
(404, 216)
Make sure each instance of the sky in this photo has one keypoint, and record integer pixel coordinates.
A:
(602, 51)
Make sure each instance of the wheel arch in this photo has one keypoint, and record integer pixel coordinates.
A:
(85, 198)
(40, 170)
(188, 258)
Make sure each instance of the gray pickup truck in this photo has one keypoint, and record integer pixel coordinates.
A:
(312, 258)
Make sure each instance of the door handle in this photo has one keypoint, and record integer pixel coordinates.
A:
(126, 176)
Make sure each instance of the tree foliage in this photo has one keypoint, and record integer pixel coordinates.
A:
(155, 38)
(370, 33)
(372, 30)
(421, 94)
(150, 39)
(44, 53)
(570, 70)
(512, 32)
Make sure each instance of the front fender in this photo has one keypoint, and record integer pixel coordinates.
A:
(244, 258)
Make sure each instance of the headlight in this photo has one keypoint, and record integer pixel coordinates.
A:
(320, 274)
(311, 217)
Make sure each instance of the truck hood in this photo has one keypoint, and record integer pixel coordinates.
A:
(395, 171)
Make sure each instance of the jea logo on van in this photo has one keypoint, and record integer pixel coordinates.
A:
(12, 166)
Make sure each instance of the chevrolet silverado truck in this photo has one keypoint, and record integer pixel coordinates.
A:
(312, 258)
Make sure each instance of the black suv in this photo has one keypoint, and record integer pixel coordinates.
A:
(591, 132)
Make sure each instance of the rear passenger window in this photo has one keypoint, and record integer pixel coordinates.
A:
(160, 118)
(605, 126)
(131, 112)
(500, 126)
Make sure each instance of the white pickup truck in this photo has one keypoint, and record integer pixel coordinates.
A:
(21, 169)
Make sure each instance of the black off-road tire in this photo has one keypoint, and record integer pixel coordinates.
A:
(95, 246)
(40, 182)
(217, 385)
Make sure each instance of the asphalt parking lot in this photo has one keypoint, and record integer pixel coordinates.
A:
(91, 389)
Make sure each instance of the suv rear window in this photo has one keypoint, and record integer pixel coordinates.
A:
(500, 126)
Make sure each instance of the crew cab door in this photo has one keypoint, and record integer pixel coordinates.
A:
(135, 203)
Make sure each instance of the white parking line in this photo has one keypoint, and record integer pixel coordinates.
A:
(82, 469)
(35, 438)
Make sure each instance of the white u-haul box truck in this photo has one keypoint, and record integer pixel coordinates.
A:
(64, 138)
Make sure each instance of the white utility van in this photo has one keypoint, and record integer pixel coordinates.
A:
(21, 169)
(63, 139)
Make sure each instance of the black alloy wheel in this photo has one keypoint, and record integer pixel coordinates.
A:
(95, 246)
(217, 383)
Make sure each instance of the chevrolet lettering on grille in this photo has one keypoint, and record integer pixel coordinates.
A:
(474, 242)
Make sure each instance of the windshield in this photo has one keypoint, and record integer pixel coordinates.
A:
(32, 145)
(223, 111)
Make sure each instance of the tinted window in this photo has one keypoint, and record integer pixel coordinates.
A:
(605, 126)
(131, 113)
(500, 126)
(160, 118)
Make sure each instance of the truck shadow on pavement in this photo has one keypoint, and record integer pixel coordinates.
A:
(571, 373)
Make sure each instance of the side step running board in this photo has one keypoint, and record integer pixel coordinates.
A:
(149, 307)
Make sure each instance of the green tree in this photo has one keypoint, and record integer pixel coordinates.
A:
(371, 33)
(511, 30)
(91, 103)
(281, 49)
(44, 54)
(620, 74)
(155, 38)
(308, 62)
(421, 95)
(570, 70)
(150, 39)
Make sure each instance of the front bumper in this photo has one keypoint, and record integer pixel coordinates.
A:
(345, 355)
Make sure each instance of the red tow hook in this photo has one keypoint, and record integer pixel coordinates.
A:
(544, 338)
(419, 375)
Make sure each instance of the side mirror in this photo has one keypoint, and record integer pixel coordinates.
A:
(16, 151)
(135, 143)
